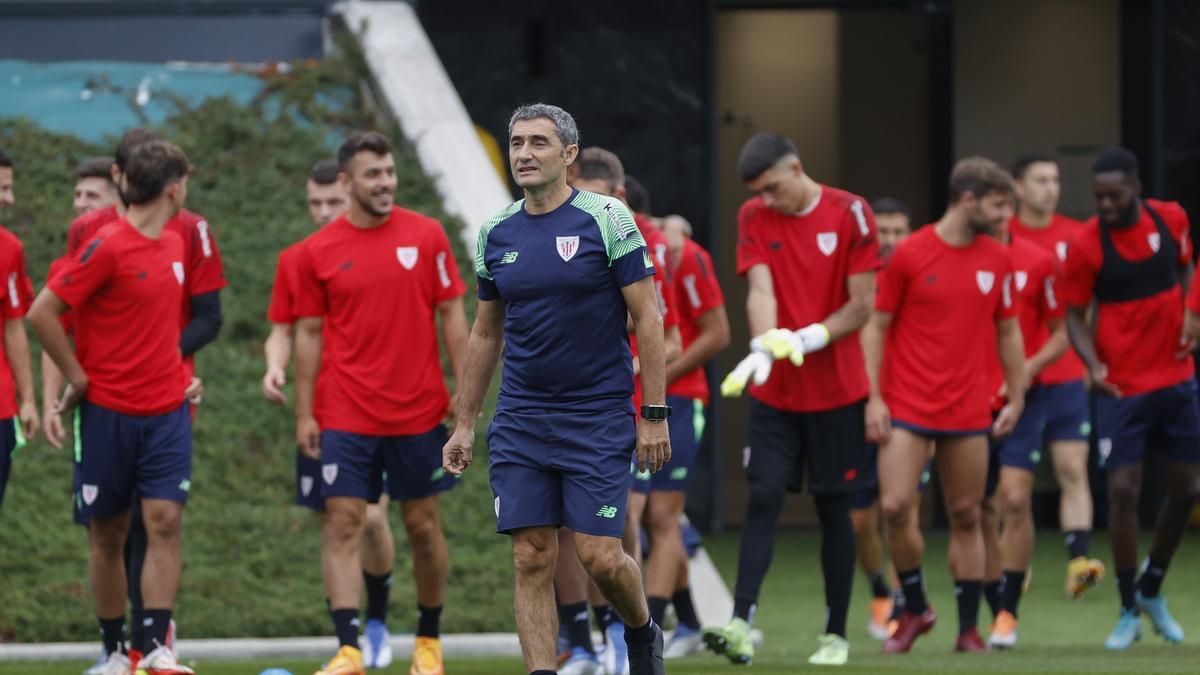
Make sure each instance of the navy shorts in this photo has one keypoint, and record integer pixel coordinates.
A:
(686, 426)
(1066, 412)
(308, 482)
(936, 434)
(11, 440)
(362, 466)
(866, 495)
(552, 468)
(121, 457)
(1022, 449)
(1166, 420)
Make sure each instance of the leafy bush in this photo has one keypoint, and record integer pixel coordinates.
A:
(251, 558)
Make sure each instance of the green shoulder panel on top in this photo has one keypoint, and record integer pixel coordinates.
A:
(486, 229)
(620, 233)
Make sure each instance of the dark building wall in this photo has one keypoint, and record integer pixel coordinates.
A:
(634, 74)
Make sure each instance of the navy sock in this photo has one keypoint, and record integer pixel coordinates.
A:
(155, 623)
(1150, 583)
(658, 608)
(643, 635)
(914, 591)
(429, 621)
(897, 603)
(542, 672)
(112, 632)
(345, 624)
(1078, 543)
(879, 586)
(604, 616)
(137, 627)
(685, 611)
(1127, 586)
(967, 593)
(574, 620)
(993, 592)
(1014, 583)
(378, 588)
(744, 609)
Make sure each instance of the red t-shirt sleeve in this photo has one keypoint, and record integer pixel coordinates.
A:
(864, 245)
(1182, 235)
(696, 284)
(206, 269)
(74, 236)
(84, 274)
(18, 289)
(893, 282)
(1009, 304)
(1051, 306)
(281, 309)
(310, 299)
(449, 283)
(1193, 296)
(750, 250)
(1079, 271)
(666, 297)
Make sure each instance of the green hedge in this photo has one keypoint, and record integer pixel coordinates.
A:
(251, 558)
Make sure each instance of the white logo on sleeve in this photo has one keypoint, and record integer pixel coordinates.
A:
(861, 217)
(177, 267)
(1006, 290)
(1051, 298)
(329, 473)
(89, 493)
(1022, 279)
(407, 255)
(660, 254)
(567, 247)
(827, 242)
(1155, 241)
(13, 297)
(306, 485)
(1061, 249)
(443, 275)
(985, 280)
(205, 243)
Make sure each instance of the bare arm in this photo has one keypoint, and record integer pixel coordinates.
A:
(43, 316)
(760, 300)
(16, 348)
(1054, 347)
(278, 351)
(854, 314)
(1085, 345)
(879, 422)
(484, 345)
(1011, 349)
(308, 363)
(453, 327)
(713, 337)
(653, 442)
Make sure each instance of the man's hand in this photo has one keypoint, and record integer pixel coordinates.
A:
(55, 433)
(1007, 418)
(793, 345)
(273, 383)
(757, 366)
(30, 422)
(73, 393)
(456, 454)
(879, 420)
(194, 393)
(1186, 346)
(308, 437)
(1100, 383)
(653, 445)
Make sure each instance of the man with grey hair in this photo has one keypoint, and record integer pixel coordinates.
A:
(558, 271)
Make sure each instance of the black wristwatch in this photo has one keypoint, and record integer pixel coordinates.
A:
(656, 413)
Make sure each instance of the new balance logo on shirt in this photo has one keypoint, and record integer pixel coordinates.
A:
(509, 257)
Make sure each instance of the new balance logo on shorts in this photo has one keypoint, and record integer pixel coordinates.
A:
(607, 512)
(438, 474)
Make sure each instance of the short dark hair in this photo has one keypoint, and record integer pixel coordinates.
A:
(130, 140)
(5, 160)
(362, 141)
(1027, 160)
(150, 168)
(324, 172)
(596, 163)
(636, 195)
(95, 167)
(761, 152)
(980, 176)
(890, 205)
(1116, 158)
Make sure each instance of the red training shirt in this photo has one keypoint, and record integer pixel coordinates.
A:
(697, 292)
(1036, 285)
(124, 290)
(811, 255)
(377, 290)
(945, 302)
(1136, 339)
(283, 310)
(1056, 238)
(16, 297)
(657, 245)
